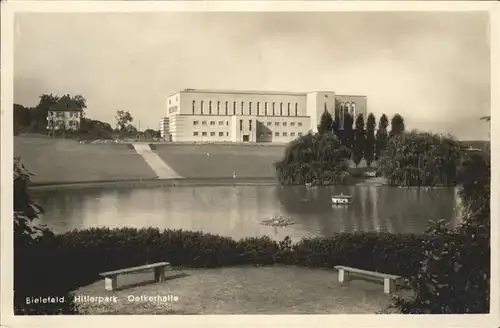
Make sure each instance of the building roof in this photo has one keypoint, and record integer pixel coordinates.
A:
(256, 92)
(66, 104)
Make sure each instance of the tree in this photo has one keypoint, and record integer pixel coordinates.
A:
(123, 119)
(347, 132)
(421, 159)
(37, 268)
(40, 112)
(397, 125)
(381, 136)
(454, 273)
(359, 139)
(318, 158)
(326, 123)
(370, 139)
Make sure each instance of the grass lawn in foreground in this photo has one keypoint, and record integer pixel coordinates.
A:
(64, 161)
(220, 161)
(242, 290)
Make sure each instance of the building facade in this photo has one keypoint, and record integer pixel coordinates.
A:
(164, 131)
(252, 116)
(65, 115)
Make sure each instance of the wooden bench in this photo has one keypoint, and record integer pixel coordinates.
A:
(111, 277)
(347, 273)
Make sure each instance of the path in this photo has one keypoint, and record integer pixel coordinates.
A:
(162, 170)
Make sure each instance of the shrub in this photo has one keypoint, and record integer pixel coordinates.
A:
(76, 258)
(454, 273)
(36, 263)
(420, 159)
(319, 159)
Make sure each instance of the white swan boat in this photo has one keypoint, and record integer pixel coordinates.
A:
(341, 199)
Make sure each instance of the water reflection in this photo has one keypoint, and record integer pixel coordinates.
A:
(237, 211)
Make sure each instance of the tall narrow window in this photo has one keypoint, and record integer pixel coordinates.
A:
(242, 104)
(250, 108)
(234, 107)
(218, 108)
(353, 109)
(274, 108)
(227, 103)
(194, 105)
(210, 107)
(296, 109)
(281, 109)
(258, 108)
(348, 108)
(250, 125)
(241, 125)
(265, 108)
(201, 107)
(288, 109)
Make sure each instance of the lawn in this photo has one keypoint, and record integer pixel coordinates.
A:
(64, 161)
(220, 161)
(241, 290)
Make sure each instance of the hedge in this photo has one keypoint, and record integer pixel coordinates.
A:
(76, 258)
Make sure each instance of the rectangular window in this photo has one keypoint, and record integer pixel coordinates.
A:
(204, 123)
(212, 134)
(299, 124)
(227, 122)
(269, 134)
(195, 133)
(277, 134)
(250, 125)
(212, 122)
(204, 134)
(292, 123)
(227, 133)
(285, 134)
(284, 123)
(241, 125)
(269, 123)
(292, 134)
(221, 134)
(221, 122)
(300, 134)
(276, 123)
(196, 122)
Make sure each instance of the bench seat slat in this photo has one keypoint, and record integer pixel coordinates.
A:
(134, 269)
(370, 273)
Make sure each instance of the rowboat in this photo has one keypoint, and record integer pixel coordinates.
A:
(341, 199)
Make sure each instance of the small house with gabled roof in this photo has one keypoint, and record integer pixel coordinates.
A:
(65, 115)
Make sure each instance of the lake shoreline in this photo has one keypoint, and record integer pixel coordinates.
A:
(166, 183)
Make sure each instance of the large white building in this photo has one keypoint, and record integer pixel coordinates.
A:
(252, 116)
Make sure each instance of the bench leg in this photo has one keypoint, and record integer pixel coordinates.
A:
(343, 276)
(389, 286)
(110, 283)
(160, 274)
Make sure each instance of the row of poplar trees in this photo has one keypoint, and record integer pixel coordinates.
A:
(360, 136)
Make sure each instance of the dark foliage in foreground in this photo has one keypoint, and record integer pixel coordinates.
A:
(35, 266)
(454, 273)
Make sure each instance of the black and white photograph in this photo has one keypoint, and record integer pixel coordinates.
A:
(248, 161)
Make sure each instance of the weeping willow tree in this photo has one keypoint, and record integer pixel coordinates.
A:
(421, 159)
(319, 159)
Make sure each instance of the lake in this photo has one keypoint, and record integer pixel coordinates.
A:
(236, 211)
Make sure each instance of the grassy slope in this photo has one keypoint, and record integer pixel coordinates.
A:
(192, 161)
(68, 161)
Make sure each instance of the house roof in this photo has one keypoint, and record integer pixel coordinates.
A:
(66, 104)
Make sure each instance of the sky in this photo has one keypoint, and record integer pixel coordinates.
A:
(433, 68)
